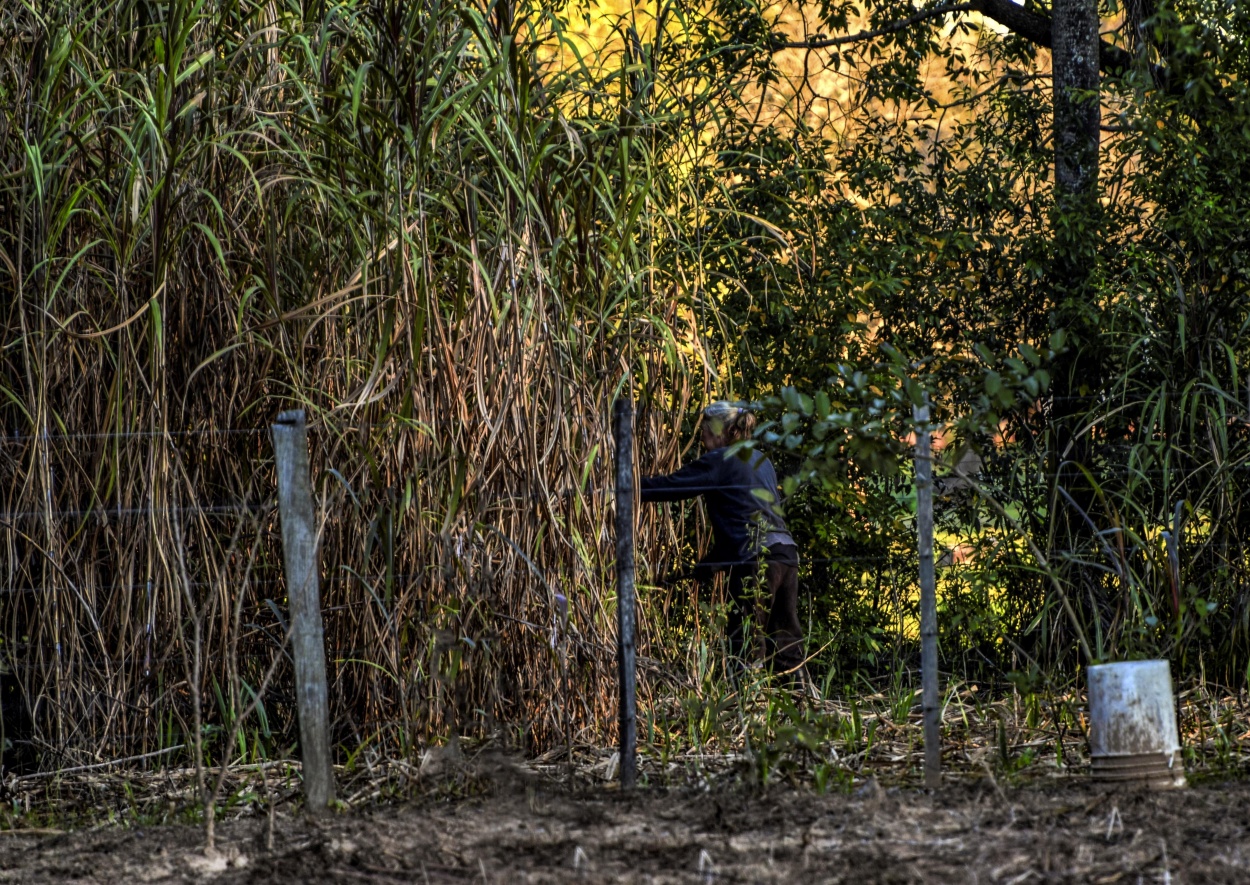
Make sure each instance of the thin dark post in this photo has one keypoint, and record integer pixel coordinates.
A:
(931, 702)
(623, 429)
(299, 547)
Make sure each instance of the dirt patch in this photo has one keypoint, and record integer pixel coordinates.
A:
(529, 832)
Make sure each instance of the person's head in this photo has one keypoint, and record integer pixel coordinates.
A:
(725, 423)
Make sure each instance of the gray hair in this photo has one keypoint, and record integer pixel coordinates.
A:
(723, 410)
(731, 421)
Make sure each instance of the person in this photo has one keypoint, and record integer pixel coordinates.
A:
(740, 492)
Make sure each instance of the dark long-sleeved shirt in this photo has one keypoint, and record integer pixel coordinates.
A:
(740, 495)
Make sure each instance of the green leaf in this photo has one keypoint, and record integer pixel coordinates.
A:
(203, 59)
(214, 242)
(158, 326)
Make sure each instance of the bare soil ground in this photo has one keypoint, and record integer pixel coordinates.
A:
(523, 829)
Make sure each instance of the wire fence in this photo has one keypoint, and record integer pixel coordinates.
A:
(148, 637)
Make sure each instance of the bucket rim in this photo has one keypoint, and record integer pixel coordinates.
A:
(1134, 664)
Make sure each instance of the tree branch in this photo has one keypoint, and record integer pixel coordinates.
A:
(892, 27)
(1035, 27)
(1032, 26)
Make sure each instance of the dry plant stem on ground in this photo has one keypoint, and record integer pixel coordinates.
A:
(240, 712)
(193, 666)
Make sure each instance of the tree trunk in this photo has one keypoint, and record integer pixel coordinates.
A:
(1075, 46)
(1077, 373)
(1074, 37)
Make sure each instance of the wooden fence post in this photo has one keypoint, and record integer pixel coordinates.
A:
(623, 429)
(931, 703)
(299, 547)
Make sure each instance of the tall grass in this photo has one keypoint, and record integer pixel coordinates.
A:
(417, 222)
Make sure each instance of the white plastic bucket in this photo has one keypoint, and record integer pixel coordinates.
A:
(1132, 725)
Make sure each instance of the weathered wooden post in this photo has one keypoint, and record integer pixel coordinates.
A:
(299, 547)
(623, 430)
(931, 704)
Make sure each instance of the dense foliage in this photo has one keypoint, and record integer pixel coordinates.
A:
(923, 245)
(454, 231)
